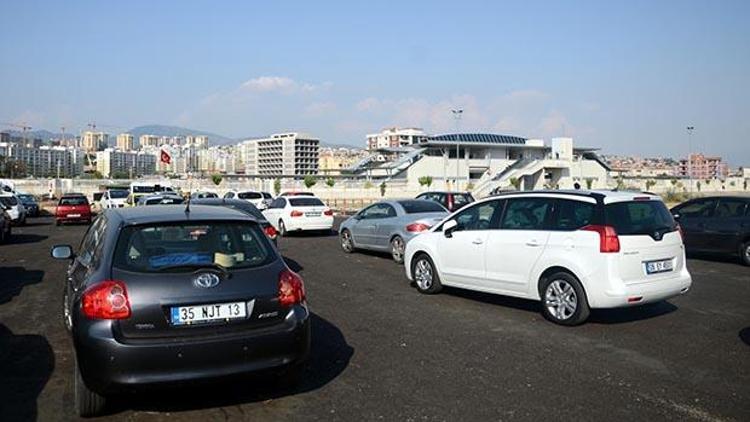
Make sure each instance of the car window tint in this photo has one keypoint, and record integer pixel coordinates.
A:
(73, 200)
(377, 211)
(461, 199)
(572, 215)
(697, 209)
(638, 217)
(730, 208)
(420, 206)
(480, 217)
(91, 240)
(526, 214)
(306, 201)
(249, 195)
(8, 201)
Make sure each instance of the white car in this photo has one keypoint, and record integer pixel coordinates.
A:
(253, 197)
(15, 209)
(572, 250)
(114, 198)
(297, 213)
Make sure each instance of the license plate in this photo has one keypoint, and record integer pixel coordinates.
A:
(661, 266)
(182, 315)
(74, 215)
(312, 214)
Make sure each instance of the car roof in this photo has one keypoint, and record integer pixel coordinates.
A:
(72, 195)
(606, 196)
(176, 213)
(447, 191)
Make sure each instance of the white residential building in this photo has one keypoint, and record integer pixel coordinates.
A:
(94, 141)
(395, 137)
(148, 141)
(281, 154)
(45, 161)
(125, 142)
(132, 163)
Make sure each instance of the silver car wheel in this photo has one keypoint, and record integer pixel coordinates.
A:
(747, 252)
(423, 274)
(561, 299)
(397, 249)
(346, 241)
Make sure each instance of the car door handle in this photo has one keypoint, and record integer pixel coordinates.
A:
(533, 243)
(477, 241)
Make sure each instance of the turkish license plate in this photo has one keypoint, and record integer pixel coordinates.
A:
(661, 266)
(74, 215)
(186, 315)
(312, 214)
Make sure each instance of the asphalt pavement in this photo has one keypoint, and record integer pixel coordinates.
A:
(382, 351)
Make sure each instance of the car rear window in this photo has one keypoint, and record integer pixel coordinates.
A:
(143, 189)
(118, 194)
(572, 215)
(249, 195)
(638, 217)
(26, 198)
(74, 200)
(267, 195)
(184, 246)
(305, 202)
(9, 201)
(419, 206)
(461, 199)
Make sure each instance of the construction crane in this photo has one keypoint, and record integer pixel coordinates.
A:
(22, 126)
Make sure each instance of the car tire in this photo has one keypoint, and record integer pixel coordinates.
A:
(564, 300)
(398, 247)
(282, 228)
(745, 253)
(426, 278)
(346, 241)
(88, 403)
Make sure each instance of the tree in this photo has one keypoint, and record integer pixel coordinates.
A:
(119, 175)
(470, 186)
(698, 185)
(425, 181)
(650, 183)
(277, 187)
(97, 175)
(216, 178)
(516, 182)
(620, 183)
(310, 181)
(330, 182)
(368, 185)
(744, 185)
(382, 189)
(589, 183)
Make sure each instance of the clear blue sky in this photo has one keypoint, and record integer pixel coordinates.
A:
(626, 76)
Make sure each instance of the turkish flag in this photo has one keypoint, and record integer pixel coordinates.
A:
(165, 157)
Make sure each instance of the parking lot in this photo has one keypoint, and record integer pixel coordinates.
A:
(381, 351)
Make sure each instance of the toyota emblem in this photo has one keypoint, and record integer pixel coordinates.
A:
(206, 280)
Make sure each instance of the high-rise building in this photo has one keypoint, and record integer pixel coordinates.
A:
(281, 154)
(125, 142)
(131, 163)
(94, 141)
(394, 137)
(699, 166)
(199, 141)
(45, 161)
(148, 141)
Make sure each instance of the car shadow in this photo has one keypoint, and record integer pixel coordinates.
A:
(293, 265)
(329, 356)
(14, 279)
(745, 335)
(22, 238)
(35, 223)
(311, 233)
(702, 256)
(26, 364)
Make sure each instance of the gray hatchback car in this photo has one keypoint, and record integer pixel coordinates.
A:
(168, 294)
(387, 226)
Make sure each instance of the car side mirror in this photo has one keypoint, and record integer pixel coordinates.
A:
(62, 252)
(676, 216)
(449, 227)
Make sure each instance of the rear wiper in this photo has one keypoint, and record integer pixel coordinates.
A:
(224, 270)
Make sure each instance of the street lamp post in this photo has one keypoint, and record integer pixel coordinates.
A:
(689, 158)
(457, 113)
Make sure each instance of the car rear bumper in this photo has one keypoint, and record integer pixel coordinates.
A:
(647, 291)
(81, 219)
(317, 224)
(108, 365)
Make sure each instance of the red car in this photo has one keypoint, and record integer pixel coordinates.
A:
(73, 208)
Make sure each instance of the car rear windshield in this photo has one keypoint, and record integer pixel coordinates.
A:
(306, 202)
(419, 206)
(249, 195)
(639, 217)
(167, 200)
(186, 246)
(118, 194)
(74, 200)
(143, 189)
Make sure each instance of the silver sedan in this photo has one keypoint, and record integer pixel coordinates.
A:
(387, 226)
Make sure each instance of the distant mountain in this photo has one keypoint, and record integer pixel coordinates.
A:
(163, 130)
(42, 134)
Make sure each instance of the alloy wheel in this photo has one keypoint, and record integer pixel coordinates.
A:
(423, 274)
(560, 299)
(346, 241)
(397, 249)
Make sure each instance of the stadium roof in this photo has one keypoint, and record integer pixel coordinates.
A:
(475, 138)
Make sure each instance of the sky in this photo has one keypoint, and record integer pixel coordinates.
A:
(625, 76)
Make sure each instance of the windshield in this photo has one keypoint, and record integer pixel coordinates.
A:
(249, 195)
(306, 202)
(143, 189)
(639, 217)
(118, 194)
(9, 201)
(74, 200)
(157, 247)
(27, 199)
(418, 206)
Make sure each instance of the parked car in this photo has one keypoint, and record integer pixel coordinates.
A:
(151, 297)
(160, 199)
(267, 198)
(253, 197)
(452, 201)
(387, 226)
(29, 203)
(245, 207)
(5, 224)
(15, 208)
(718, 225)
(114, 198)
(298, 214)
(203, 194)
(573, 250)
(73, 208)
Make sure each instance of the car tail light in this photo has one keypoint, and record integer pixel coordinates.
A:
(608, 240)
(291, 288)
(297, 213)
(417, 227)
(106, 300)
(328, 212)
(270, 231)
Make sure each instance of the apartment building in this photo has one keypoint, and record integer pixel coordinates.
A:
(148, 141)
(199, 141)
(699, 166)
(94, 141)
(45, 161)
(395, 137)
(132, 163)
(125, 142)
(281, 154)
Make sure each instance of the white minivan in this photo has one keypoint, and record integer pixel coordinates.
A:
(572, 250)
